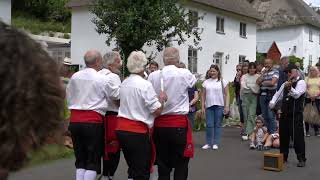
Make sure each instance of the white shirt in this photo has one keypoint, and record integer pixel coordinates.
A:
(138, 100)
(294, 92)
(214, 94)
(176, 83)
(115, 82)
(88, 90)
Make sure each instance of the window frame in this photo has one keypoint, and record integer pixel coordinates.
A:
(220, 25)
(243, 30)
(193, 60)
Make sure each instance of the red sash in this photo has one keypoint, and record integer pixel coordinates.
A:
(124, 124)
(110, 140)
(170, 121)
(85, 116)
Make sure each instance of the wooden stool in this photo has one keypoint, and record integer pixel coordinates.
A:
(273, 161)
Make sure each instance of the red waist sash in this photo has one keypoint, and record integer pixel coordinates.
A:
(124, 124)
(85, 116)
(110, 141)
(170, 121)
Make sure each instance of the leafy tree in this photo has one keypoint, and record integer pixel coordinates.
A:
(260, 57)
(132, 24)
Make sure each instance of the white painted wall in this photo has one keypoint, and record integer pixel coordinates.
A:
(311, 48)
(288, 37)
(85, 37)
(5, 11)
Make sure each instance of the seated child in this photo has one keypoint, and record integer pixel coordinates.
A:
(259, 134)
(273, 140)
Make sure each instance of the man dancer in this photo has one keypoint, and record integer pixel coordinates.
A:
(291, 121)
(112, 64)
(87, 92)
(172, 132)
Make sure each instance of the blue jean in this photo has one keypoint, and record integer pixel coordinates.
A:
(191, 117)
(214, 116)
(267, 113)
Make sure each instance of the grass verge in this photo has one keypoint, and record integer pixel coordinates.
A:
(49, 152)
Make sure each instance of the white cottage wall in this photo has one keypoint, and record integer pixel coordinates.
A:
(5, 11)
(230, 43)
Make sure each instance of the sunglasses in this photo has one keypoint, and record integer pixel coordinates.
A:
(238, 69)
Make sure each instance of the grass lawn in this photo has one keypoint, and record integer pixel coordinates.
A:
(49, 152)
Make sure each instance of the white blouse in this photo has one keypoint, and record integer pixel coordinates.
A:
(214, 94)
(138, 100)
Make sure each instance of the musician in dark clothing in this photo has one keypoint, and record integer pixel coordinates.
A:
(291, 121)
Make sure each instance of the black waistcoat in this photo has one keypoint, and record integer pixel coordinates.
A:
(289, 104)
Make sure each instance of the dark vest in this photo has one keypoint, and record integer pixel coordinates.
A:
(289, 104)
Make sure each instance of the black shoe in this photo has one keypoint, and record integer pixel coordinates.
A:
(301, 164)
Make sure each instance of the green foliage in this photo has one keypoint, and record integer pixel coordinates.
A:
(45, 10)
(260, 57)
(135, 23)
(294, 59)
(36, 26)
(66, 36)
(49, 152)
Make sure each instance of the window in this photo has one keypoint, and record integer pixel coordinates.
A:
(193, 18)
(310, 60)
(67, 54)
(217, 59)
(310, 35)
(241, 59)
(220, 25)
(192, 60)
(243, 29)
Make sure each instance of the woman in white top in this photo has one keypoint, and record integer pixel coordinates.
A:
(139, 105)
(248, 92)
(214, 105)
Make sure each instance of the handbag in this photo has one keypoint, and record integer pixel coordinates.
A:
(234, 110)
(311, 114)
(226, 114)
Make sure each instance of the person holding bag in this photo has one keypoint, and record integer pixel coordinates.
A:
(313, 92)
(214, 105)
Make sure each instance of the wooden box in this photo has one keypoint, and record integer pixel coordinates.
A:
(273, 161)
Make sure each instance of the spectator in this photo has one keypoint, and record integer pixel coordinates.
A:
(237, 86)
(284, 61)
(273, 140)
(249, 92)
(259, 134)
(313, 92)
(268, 85)
(31, 98)
(301, 73)
(214, 105)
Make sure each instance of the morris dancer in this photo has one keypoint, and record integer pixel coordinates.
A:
(87, 92)
(138, 107)
(172, 132)
(112, 65)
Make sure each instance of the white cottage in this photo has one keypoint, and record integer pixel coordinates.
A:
(5, 11)
(293, 25)
(229, 35)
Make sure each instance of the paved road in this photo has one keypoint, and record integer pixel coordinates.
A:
(232, 161)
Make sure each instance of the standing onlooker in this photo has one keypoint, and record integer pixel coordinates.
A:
(193, 99)
(249, 92)
(313, 95)
(214, 104)
(318, 66)
(259, 67)
(236, 84)
(268, 85)
(284, 61)
(301, 73)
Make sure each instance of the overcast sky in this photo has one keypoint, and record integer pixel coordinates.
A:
(314, 2)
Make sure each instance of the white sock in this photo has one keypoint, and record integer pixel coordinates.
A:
(90, 175)
(80, 174)
(105, 178)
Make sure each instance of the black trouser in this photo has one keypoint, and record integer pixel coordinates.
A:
(170, 144)
(110, 166)
(88, 149)
(136, 148)
(292, 128)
